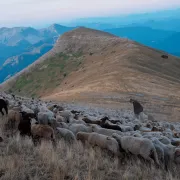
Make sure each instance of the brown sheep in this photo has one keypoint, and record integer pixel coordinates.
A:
(14, 118)
(177, 156)
(41, 131)
(176, 134)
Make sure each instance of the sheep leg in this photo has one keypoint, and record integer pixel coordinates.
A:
(2, 112)
(36, 140)
(154, 156)
(54, 143)
(6, 109)
(148, 159)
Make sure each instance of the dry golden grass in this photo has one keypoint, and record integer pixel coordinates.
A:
(20, 160)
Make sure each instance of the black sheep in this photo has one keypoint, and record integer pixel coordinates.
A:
(105, 124)
(3, 105)
(25, 124)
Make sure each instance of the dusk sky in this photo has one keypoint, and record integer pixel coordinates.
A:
(42, 12)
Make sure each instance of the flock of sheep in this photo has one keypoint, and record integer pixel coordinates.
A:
(154, 141)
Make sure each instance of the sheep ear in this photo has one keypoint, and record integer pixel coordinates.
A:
(108, 138)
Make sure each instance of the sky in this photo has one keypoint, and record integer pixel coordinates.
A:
(41, 12)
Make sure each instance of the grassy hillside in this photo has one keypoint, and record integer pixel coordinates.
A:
(47, 76)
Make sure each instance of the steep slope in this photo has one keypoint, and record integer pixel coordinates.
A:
(85, 64)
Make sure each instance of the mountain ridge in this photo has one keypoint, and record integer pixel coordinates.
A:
(86, 62)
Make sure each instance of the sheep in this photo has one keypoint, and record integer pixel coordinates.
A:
(75, 128)
(168, 152)
(160, 152)
(3, 105)
(138, 146)
(66, 134)
(73, 121)
(25, 124)
(89, 121)
(168, 125)
(59, 118)
(14, 119)
(40, 131)
(43, 108)
(63, 125)
(103, 131)
(67, 115)
(176, 134)
(126, 128)
(136, 134)
(175, 141)
(164, 140)
(46, 118)
(108, 125)
(26, 109)
(152, 134)
(154, 128)
(16, 109)
(144, 129)
(56, 108)
(168, 134)
(102, 141)
(177, 156)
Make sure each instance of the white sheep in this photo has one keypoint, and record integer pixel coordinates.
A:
(63, 125)
(46, 118)
(168, 152)
(75, 128)
(102, 141)
(126, 128)
(164, 140)
(74, 121)
(103, 131)
(59, 118)
(138, 146)
(26, 109)
(66, 134)
(67, 115)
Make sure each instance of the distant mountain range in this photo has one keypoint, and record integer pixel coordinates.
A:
(160, 30)
(163, 20)
(160, 39)
(21, 46)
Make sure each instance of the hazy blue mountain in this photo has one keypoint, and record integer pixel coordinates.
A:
(155, 29)
(21, 46)
(164, 20)
(160, 39)
(170, 44)
(17, 63)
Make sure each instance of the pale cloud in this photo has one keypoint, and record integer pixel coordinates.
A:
(31, 12)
